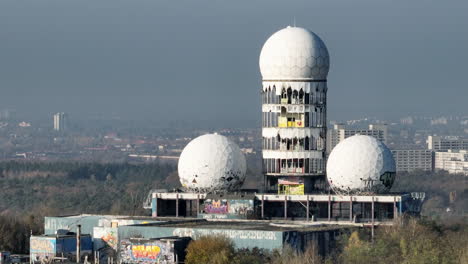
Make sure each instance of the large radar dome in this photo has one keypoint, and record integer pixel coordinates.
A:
(294, 53)
(361, 164)
(212, 163)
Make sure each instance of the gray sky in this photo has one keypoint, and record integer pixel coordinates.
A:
(173, 60)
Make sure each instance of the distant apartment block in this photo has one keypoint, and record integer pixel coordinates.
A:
(340, 132)
(60, 120)
(453, 161)
(438, 143)
(413, 159)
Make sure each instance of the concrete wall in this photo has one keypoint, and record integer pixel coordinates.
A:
(87, 222)
(241, 238)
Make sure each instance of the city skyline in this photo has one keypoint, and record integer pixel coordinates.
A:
(176, 61)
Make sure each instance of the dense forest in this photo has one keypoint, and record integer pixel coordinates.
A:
(67, 187)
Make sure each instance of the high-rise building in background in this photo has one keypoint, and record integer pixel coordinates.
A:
(60, 121)
(340, 132)
(452, 161)
(294, 64)
(438, 143)
(413, 159)
(5, 114)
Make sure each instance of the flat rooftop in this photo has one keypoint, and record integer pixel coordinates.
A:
(249, 225)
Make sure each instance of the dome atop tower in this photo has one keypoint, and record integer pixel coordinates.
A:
(361, 164)
(294, 53)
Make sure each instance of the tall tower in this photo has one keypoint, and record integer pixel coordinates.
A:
(294, 64)
(60, 121)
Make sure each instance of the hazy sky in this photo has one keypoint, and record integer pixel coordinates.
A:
(199, 59)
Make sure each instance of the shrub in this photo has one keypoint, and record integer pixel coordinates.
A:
(210, 250)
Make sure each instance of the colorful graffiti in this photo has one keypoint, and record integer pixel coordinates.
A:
(223, 209)
(105, 242)
(146, 252)
(110, 238)
(216, 206)
(43, 245)
(42, 248)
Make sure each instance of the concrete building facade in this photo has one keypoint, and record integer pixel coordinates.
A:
(340, 132)
(60, 120)
(453, 161)
(413, 159)
(439, 143)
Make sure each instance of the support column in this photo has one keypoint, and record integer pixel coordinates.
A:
(154, 205)
(350, 208)
(177, 205)
(372, 227)
(399, 207)
(307, 211)
(78, 243)
(198, 204)
(263, 207)
(395, 211)
(329, 208)
(285, 207)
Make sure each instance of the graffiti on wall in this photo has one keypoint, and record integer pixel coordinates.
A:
(105, 242)
(146, 252)
(230, 233)
(231, 207)
(42, 248)
(107, 236)
(216, 206)
(241, 207)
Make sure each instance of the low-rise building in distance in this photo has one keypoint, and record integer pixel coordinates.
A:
(444, 143)
(340, 132)
(453, 161)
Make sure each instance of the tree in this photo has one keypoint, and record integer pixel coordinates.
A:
(290, 255)
(210, 250)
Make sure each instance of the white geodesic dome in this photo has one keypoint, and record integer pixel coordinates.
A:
(294, 53)
(212, 163)
(361, 164)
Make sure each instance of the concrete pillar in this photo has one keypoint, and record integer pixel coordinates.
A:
(154, 205)
(177, 205)
(395, 210)
(198, 204)
(285, 207)
(263, 207)
(78, 243)
(307, 208)
(372, 227)
(329, 208)
(350, 208)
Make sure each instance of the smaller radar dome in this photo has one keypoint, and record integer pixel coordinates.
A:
(212, 163)
(361, 164)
